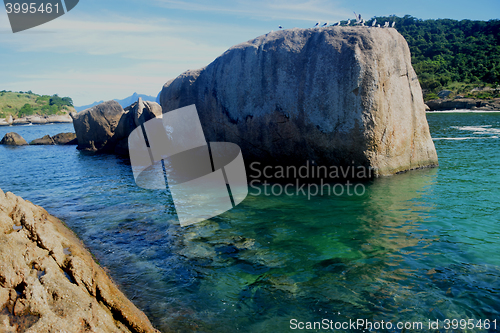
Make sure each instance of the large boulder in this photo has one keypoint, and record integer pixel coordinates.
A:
(45, 140)
(65, 139)
(49, 282)
(95, 127)
(338, 96)
(106, 127)
(6, 121)
(13, 139)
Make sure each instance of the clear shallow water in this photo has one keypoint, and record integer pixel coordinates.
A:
(417, 246)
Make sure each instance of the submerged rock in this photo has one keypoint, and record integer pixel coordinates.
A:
(338, 96)
(13, 139)
(49, 282)
(45, 140)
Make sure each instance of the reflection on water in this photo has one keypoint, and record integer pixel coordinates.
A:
(416, 246)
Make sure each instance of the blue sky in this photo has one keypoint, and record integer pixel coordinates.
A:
(106, 49)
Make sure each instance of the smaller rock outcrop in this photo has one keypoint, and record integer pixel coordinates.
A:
(13, 139)
(95, 127)
(106, 127)
(45, 140)
(464, 104)
(65, 139)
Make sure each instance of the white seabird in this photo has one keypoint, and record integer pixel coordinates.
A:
(348, 22)
(358, 18)
(386, 25)
(374, 22)
(378, 25)
(393, 23)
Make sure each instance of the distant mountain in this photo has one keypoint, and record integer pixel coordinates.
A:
(84, 107)
(123, 102)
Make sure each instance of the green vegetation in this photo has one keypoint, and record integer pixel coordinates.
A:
(21, 104)
(453, 55)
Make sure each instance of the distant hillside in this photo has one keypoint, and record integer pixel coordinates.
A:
(21, 104)
(454, 55)
(123, 102)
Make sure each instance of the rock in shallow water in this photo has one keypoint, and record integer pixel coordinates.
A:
(337, 96)
(49, 282)
(13, 139)
(45, 140)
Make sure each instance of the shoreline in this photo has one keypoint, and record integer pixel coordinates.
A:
(37, 120)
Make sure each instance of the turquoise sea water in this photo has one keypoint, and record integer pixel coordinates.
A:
(419, 246)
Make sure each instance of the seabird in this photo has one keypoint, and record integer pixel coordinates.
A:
(358, 18)
(374, 22)
(363, 22)
(280, 27)
(325, 24)
(393, 23)
(348, 22)
(386, 25)
(317, 24)
(338, 23)
(378, 25)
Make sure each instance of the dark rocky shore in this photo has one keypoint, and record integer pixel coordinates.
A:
(49, 282)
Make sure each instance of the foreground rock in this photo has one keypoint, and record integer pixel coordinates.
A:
(13, 139)
(50, 283)
(106, 127)
(338, 96)
(464, 104)
(45, 140)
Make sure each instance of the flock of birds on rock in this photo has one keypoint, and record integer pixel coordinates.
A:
(359, 21)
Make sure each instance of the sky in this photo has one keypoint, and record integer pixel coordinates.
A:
(109, 49)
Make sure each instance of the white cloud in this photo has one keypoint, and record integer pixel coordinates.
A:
(265, 10)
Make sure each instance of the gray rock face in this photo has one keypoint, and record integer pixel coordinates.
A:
(13, 139)
(336, 96)
(106, 127)
(50, 283)
(45, 140)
